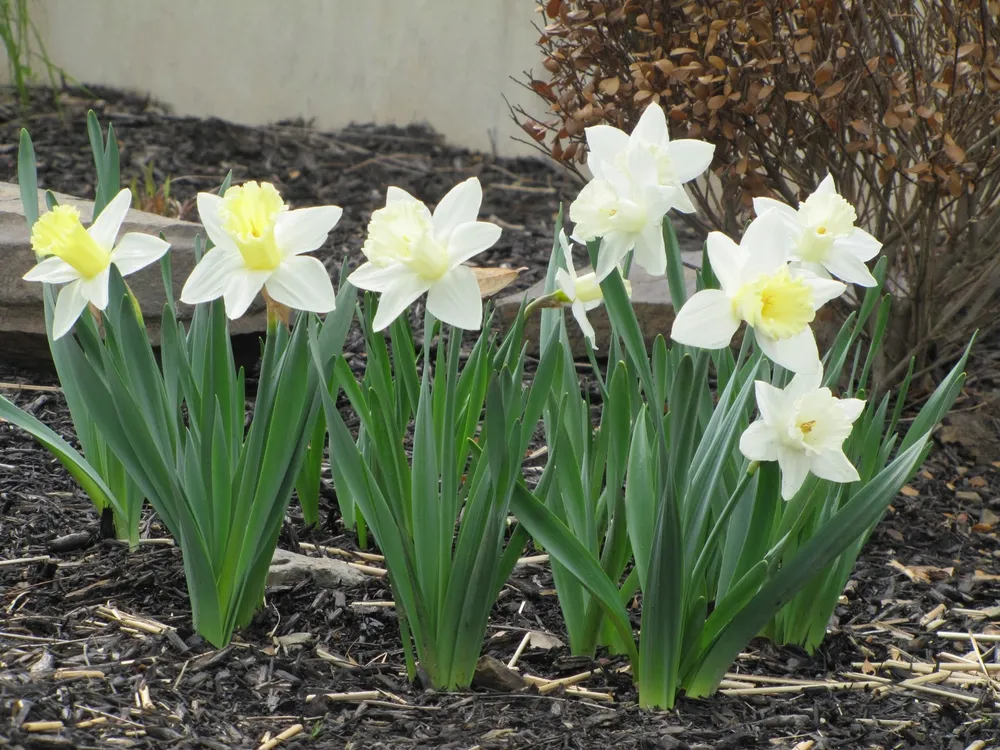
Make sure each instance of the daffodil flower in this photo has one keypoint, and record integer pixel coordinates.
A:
(674, 162)
(259, 244)
(803, 428)
(758, 287)
(583, 291)
(825, 240)
(411, 251)
(81, 258)
(637, 179)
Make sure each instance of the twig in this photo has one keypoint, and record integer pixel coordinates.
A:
(354, 697)
(286, 735)
(42, 726)
(520, 650)
(24, 561)
(28, 387)
(981, 637)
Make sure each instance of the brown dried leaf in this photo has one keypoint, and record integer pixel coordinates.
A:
(955, 153)
(835, 88)
(796, 96)
(493, 280)
(716, 102)
(609, 86)
(717, 62)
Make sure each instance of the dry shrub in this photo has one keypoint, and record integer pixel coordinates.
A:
(898, 100)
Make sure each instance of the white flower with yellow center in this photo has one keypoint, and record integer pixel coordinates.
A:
(637, 179)
(583, 292)
(411, 251)
(758, 287)
(625, 215)
(803, 428)
(674, 162)
(81, 258)
(259, 244)
(825, 240)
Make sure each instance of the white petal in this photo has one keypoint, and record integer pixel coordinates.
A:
(794, 470)
(305, 229)
(682, 202)
(763, 205)
(816, 269)
(397, 195)
(95, 289)
(826, 186)
(303, 283)
(652, 126)
(759, 442)
(727, 260)
(69, 304)
(650, 250)
(240, 289)
(459, 206)
(766, 245)
(470, 239)
(614, 247)
(797, 354)
(823, 290)
(399, 290)
(105, 228)
(852, 407)
(53, 271)
(641, 171)
(208, 279)
(454, 299)
(565, 282)
(860, 244)
(772, 403)
(835, 466)
(604, 144)
(845, 266)
(804, 383)
(580, 314)
(706, 321)
(374, 278)
(690, 158)
(567, 252)
(137, 251)
(208, 212)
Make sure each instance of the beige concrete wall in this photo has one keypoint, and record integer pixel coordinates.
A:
(444, 62)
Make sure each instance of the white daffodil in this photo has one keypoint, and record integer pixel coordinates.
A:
(824, 238)
(803, 428)
(81, 258)
(259, 244)
(758, 287)
(626, 214)
(583, 292)
(411, 251)
(637, 179)
(674, 162)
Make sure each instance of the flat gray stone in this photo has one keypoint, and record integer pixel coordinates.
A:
(22, 316)
(288, 568)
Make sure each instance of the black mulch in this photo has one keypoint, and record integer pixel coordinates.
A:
(82, 636)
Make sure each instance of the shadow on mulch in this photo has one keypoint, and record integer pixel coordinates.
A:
(98, 640)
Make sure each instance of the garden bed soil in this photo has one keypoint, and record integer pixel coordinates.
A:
(96, 646)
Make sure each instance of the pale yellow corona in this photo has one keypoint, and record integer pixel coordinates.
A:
(249, 213)
(403, 232)
(59, 233)
(777, 304)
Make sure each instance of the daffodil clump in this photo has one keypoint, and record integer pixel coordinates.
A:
(731, 475)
